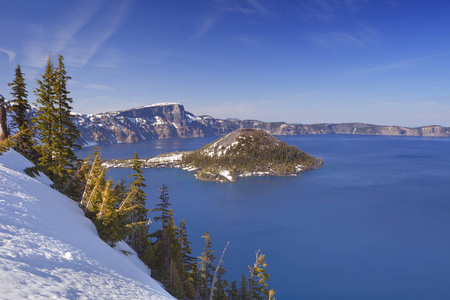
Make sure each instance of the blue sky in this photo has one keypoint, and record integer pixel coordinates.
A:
(305, 61)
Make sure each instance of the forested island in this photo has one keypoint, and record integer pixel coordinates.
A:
(242, 153)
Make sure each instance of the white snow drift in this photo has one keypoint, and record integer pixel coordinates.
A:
(48, 249)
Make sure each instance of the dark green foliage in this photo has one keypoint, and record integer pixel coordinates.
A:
(221, 285)
(45, 121)
(258, 288)
(110, 208)
(54, 125)
(20, 104)
(18, 109)
(233, 292)
(138, 213)
(75, 187)
(254, 151)
(243, 288)
(169, 256)
(206, 266)
(107, 218)
(187, 258)
(66, 132)
(163, 207)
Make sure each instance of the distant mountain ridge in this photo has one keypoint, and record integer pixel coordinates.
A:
(171, 120)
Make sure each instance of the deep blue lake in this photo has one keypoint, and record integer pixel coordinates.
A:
(373, 223)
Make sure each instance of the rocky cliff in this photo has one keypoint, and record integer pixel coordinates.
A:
(171, 120)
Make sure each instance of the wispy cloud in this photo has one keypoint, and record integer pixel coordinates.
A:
(79, 35)
(41, 40)
(85, 45)
(93, 86)
(247, 7)
(206, 26)
(325, 10)
(11, 54)
(397, 65)
(343, 39)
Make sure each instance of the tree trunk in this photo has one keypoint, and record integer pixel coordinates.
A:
(3, 127)
(215, 273)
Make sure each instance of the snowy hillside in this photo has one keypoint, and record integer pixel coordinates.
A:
(48, 249)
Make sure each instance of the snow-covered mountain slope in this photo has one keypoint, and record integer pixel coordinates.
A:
(171, 120)
(48, 249)
(156, 121)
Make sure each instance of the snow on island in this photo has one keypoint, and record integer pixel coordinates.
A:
(49, 249)
(242, 153)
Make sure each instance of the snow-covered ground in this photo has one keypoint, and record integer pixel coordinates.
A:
(48, 249)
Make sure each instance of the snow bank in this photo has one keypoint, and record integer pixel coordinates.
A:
(48, 249)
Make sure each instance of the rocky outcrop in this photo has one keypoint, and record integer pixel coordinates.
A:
(171, 120)
(158, 121)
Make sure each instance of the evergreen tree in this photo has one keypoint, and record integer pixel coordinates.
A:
(206, 266)
(54, 125)
(107, 219)
(138, 212)
(75, 187)
(187, 260)
(66, 132)
(195, 277)
(243, 288)
(258, 279)
(233, 292)
(44, 122)
(174, 262)
(94, 183)
(163, 207)
(20, 103)
(221, 285)
(19, 109)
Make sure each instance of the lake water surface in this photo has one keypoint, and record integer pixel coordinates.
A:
(373, 223)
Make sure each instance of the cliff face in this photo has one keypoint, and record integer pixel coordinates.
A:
(170, 120)
(150, 122)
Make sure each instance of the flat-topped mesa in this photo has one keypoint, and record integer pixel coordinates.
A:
(169, 112)
(248, 152)
(156, 121)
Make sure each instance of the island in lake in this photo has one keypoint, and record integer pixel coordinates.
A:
(241, 153)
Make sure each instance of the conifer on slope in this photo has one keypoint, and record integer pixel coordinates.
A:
(137, 211)
(66, 132)
(206, 265)
(45, 120)
(18, 109)
(54, 125)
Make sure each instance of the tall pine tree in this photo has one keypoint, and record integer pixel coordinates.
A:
(138, 212)
(20, 104)
(19, 109)
(45, 120)
(233, 292)
(206, 266)
(163, 207)
(66, 132)
(258, 279)
(54, 125)
(243, 288)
